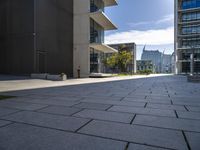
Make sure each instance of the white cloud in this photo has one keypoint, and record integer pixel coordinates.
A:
(164, 20)
(168, 18)
(149, 37)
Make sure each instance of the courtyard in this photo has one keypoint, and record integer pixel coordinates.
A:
(156, 112)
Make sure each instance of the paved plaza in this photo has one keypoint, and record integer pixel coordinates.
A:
(148, 113)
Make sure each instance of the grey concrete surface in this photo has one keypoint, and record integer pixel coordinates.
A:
(153, 112)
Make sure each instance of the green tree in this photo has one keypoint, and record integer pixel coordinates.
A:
(120, 60)
(112, 61)
(124, 58)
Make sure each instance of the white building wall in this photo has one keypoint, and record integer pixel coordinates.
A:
(81, 37)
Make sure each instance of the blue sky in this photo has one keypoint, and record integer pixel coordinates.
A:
(147, 22)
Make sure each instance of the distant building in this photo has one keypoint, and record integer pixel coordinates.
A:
(155, 56)
(143, 65)
(166, 63)
(129, 47)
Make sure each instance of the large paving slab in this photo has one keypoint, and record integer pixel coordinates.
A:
(139, 134)
(93, 106)
(48, 120)
(6, 111)
(3, 123)
(32, 101)
(60, 110)
(166, 106)
(143, 147)
(113, 102)
(105, 115)
(193, 139)
(146, 111)
(166, 122)
(189, 115)
(26, 137)
(21, 105)
(193, 108)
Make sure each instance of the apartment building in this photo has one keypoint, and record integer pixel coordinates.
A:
(187, 36)
(52, 36)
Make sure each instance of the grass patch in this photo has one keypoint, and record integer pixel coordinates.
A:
(3, 97)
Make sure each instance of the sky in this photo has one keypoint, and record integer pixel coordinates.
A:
(145, 22)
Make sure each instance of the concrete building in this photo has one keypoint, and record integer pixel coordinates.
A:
(155, 56)
(144, 65)
(43, 36)
(90, 22)
(129, 47)
(36, 36)
(187, 35)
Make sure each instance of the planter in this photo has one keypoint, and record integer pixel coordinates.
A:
(56, 77)
(39, 76)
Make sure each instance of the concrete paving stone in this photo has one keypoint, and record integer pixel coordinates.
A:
(60, 110)
(186, 103)
(145, 111)
(138, 134)
(193, 108)
(148, 101)
(120, 103)
(20, 136)
(166, 106)
(143, 147)
(6, 111)
(46, 101)
(67, 98)
(166, 122)
(48, 120)
(189, 115)
(92, 106)
(105, 115)
(101, 98)
(3, 123)
(193, 139)
(21, 105)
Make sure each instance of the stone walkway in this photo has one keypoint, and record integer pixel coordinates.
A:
(155, 113)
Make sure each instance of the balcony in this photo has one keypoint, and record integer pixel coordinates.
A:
(103, 48)
(108, 3)
(102, 20)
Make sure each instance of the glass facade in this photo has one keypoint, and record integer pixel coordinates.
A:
(192, 16)
(189, 4)
(96, 32)
(189, 31)
(96, 36)
(96, 5)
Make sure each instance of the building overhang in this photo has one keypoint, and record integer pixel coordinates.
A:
(188, 10)
(188, 35)
(189, 22)
(103, 48)
(108, 3)
(103, 20)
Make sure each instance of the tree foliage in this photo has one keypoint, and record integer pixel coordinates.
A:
(120, 60)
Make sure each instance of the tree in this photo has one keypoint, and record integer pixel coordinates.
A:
(124, 58)
(120, 60)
